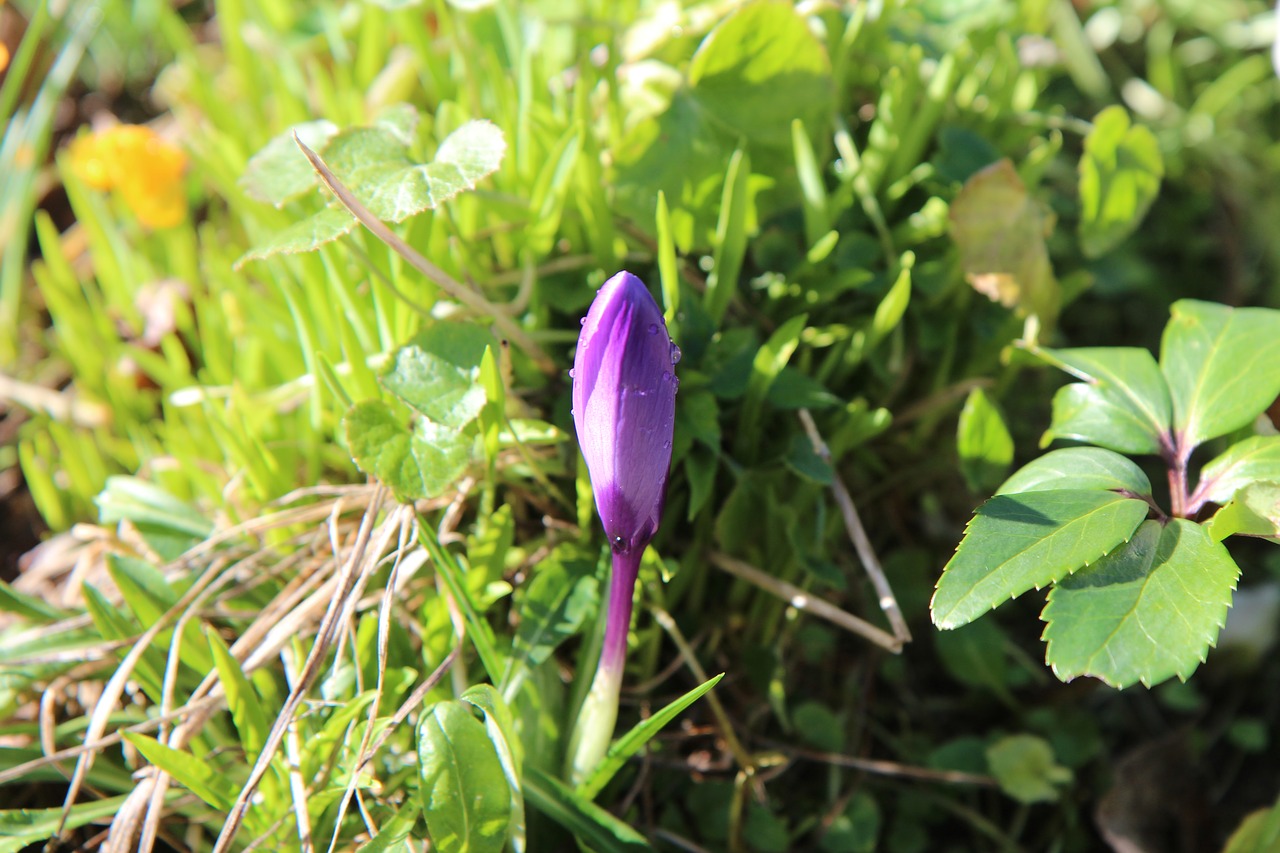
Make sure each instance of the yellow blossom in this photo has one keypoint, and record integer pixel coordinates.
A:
(136, 162)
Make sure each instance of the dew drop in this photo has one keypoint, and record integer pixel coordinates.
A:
(572, 373)
(666, 376)
(582, 322)
(653, 328)
(619, 545)
(666, 445)
(675, 354)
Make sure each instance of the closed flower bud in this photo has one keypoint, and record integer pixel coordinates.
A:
(624, 405)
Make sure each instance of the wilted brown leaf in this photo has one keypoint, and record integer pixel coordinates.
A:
(1000, 231)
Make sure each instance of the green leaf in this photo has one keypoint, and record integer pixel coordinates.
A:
(394, 830)
(28, 606)
(590, 824)
(634, 740)
(1254, 511)
(242, 700)
(144, 503)
(551, 608)
(279, 172)
(1259, 832)
(374, 163)
(1000, 231)
(1120, 173)
(195, 774)
(1220, 366)
(463, 786)
(1247, 461)
(1124, 404)
(501, 728)
(975, 655)
(761, 68)
(1145, 612)
(1078, 468)
(150, 597)
(1026, 770)
(983, 443)
(437, 372)
(1019, 542)
(731, 237)
(854, 830)
(416, 464)
(768, 363)
(20, 828)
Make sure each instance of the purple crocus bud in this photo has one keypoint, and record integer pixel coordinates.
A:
(624, 403)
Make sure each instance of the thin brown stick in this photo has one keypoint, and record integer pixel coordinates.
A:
(880, 767)
(455, 289)
(858, 536)
(806, 601)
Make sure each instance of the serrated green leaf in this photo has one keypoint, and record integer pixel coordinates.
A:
(1146, 612)
(1026, 770)
(1078, 468)
(634, 740)
(1120, 174)
(1220, 366)
(983, 442)
(415, 464)
(437, 372)
(760, 69)
(1020, 542)
(1254, 511)
(1251, 460)
(463, 787)
(305, 236)
(591, 825)
(279, 172)
(1125, 404)
(195, 774)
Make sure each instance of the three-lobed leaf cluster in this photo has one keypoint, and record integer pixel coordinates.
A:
(1139, 594)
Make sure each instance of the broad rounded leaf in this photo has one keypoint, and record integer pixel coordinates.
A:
(418, 463)
(1083, 412)
(1019, 542)
(1220, 366)
(464, 790)
(279, 172)
(437, 372)
(1146, 612)
(1025, 768)
(1120, 173)
(761, 68)
(1126, 379)
(374, 163)
(1252, 460)
(1078, 468)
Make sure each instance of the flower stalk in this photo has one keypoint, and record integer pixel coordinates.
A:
(624, 389)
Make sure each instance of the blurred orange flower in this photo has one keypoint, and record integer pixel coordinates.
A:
(136, 162)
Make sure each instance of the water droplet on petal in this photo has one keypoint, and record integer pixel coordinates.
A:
(653, 328)
(572, 373)
(675, 354)
(666, 445)
(582, 322)
(619, 544)
(666, 376)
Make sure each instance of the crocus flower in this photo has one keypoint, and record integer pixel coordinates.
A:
(624, 399)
